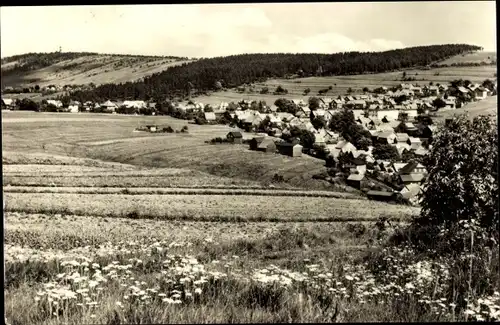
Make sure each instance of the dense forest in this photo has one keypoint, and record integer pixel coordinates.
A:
(231, 71)
(33, 61)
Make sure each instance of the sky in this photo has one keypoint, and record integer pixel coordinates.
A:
(208, 30)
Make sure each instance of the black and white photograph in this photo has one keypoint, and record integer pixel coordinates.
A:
(303, 162)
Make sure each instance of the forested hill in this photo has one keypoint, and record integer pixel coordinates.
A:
(33, 61)
(231, 71)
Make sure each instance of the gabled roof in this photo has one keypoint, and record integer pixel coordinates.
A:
(415, 178)
(410, 167)
(411, 190)
(385, 134)
(355, 177)
(398, 166)
(402, 137)
(421, 151)
(265, 142)
(235, 134)
(380, 193)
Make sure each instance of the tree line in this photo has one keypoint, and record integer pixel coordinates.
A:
(205, 75)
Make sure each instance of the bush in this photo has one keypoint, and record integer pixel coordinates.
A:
(278, 178)
(168, 129)
(184, 129)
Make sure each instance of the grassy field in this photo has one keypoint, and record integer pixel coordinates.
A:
(340, 84)
(98, 69)
(111, 138)
(476, 57)
(487, 106)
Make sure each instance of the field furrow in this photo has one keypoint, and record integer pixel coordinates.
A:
(204, 207)
(175, 191)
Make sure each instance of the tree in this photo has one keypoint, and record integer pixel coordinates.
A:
(385, 152)
(307, 138)
(488, 84)
(37, 88)
(264, 90)
(28, 105)
(463, 173)
(314, 103)
(232, 107)
(280, 90)
(218, 85)
(365, 89)
(400, 99)
(438, 103)
(285, 105)
(318, 122)
(208, 108)
(307, 91)
(65, 101)
(349, 90)
(404, 74)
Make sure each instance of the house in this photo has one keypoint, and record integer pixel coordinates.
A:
(304, 111)
(450, 104)
(374, 122)
(401, 147)
(307, 126)
(480, 92)
(381, 195)
(356, 104)
(463, 90)
(412, 178)
(386, 137)
(336, 104)
(402, 137)
(264, 144)
(223, 106)
(56, 103)
(331, 136)
(7, 103)
(345, 146)
(412, 168)
(73, 108)
(133, 103)
(152, 128)
(358, 113)
(299, 102)
(365, 122)
(319, 140)
(411, 192)
(388, 114)
(210, 116)
(421, 151)
(319, 113)
(356, 180)
(410, 127)
(289, 149)
(431, 90)
(110, 106)
(414, 141)
(234, 137)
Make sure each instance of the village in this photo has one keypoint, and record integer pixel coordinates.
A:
(397, 121)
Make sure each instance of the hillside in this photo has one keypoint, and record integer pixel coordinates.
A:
(61, 69)
(341, 84)
(232, 71)
(487, 106)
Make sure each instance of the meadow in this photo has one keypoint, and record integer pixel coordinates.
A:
(112, 138)
(341, 84)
